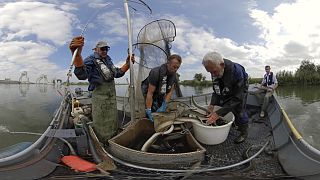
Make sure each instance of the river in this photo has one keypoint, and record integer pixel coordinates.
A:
(29, 108)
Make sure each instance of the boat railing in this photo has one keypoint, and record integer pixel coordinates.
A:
(295, 132)
(38, 143)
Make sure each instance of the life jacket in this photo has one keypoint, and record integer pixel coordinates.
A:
(106, 70)
(268, 79)
(165, 83)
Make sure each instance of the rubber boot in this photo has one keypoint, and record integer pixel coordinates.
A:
(243, 133)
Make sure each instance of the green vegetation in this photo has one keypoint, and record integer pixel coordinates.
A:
(200, 80)
(307, 74)
(77, 83)
(255, 80)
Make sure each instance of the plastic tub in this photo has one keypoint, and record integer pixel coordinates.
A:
(212, 135)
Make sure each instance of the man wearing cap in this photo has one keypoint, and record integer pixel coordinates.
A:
(98, 68)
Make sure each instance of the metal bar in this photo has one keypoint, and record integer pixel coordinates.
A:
(131, 86)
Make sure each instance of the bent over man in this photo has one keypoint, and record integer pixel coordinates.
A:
(230, 86)
(158, 87)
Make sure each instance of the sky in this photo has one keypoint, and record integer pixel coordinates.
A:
(35, 34)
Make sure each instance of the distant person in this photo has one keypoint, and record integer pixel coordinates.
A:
(158, 87)
(230, 87)
(98, 68)
(265, 90)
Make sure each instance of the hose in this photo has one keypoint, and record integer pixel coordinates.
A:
(153, 138)
(188, 170)
(93, 151)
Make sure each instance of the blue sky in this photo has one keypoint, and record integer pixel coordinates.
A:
(35, 34)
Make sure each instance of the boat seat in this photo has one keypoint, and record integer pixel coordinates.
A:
(14, 149)
(62, 133)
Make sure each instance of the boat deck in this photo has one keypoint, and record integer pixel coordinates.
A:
(218, 161)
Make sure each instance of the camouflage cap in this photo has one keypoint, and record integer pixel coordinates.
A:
(101, 44)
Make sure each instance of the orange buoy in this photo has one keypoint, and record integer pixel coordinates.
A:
(78, 164)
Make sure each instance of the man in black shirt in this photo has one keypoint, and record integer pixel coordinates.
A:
(158, 87)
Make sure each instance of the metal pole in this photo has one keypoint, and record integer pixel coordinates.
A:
(131, 85)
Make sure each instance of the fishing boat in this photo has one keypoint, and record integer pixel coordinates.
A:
(273, 150)
(70, 149)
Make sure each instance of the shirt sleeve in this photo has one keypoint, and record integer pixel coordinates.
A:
(82, 73)
(275, 79)
(117, 72)
(153, 77)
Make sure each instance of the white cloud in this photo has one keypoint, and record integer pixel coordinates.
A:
(46, 21)
(30, 34)
(114, 25)
(18, 56)
(290, 34)
(194, 42)
(36, 30)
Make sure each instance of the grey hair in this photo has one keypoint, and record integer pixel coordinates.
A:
(214, 57)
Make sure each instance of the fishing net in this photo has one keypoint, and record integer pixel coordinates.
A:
(153, 43)
(154, 40)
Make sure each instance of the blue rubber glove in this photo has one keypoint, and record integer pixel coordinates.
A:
(149, 115)
(163, 107)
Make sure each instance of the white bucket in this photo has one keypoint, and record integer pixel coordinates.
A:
(213, 134)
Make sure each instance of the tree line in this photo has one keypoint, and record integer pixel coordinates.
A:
(307, 74)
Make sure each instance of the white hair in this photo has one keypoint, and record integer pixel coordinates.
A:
(214, 57)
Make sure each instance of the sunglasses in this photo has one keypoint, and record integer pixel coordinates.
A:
(106, 48)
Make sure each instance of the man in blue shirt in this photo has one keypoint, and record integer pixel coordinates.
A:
(230, 87)
(98, 68)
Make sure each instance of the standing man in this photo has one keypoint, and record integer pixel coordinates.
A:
(158, 87)
(268, 85)
(230, 86)
(98, 68)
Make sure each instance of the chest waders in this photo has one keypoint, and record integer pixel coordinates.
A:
(104, 109)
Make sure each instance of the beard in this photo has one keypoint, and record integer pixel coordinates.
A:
(219, 75)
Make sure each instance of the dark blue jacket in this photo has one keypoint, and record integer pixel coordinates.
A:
(90, 71)
(230, 91)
